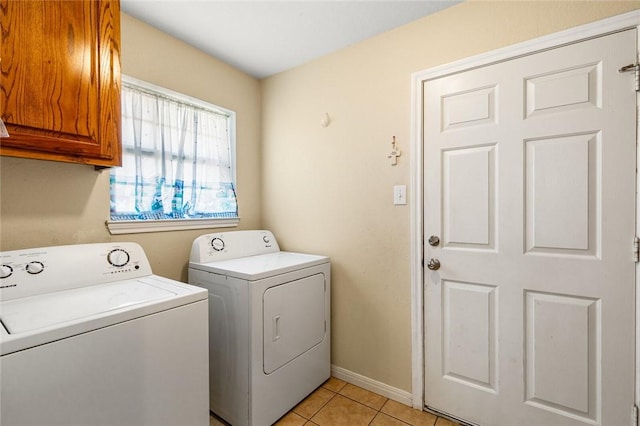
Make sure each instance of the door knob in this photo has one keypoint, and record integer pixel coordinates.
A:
(434, 240)
(434, 264)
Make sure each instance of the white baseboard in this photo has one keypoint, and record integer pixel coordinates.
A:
(380, 388)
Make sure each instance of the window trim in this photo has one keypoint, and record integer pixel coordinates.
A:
(140, 226)
(117, 227)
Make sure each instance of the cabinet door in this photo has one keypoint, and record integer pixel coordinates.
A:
(60, 80)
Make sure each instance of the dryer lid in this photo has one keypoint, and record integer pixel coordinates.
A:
(253, 268)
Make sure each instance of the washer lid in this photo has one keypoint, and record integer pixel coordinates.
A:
(253, 268)
(44, 310)
(43, 318)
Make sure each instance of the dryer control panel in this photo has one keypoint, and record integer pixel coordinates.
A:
(231, 245)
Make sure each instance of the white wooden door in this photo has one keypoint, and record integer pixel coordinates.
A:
(530, 186)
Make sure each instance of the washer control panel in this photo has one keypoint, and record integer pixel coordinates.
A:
(42, 270)
(230, 245)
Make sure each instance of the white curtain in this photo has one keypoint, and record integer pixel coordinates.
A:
(176, 161)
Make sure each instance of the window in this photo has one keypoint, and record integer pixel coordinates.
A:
(177, 163)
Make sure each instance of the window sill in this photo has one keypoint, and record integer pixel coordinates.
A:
(140, 226)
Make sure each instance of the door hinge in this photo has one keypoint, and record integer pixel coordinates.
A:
(636, 69)
(634, 415)
(636, 249)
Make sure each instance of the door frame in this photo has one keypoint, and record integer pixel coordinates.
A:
(416, 185)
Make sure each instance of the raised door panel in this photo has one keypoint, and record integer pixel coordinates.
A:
(562, 194)
(469, 327)
(569, 352)
(60, 80)
(468, 197)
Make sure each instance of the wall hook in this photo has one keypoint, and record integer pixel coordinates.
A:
(395, 152)
(326, 120)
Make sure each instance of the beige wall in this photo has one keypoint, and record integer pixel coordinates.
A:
(45, 203)
(329, 190)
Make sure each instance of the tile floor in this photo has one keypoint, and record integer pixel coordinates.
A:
(338, 403)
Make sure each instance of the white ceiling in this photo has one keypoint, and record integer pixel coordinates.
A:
(266, 37)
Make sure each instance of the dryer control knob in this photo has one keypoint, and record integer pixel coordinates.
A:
(5, 271)
(217, 243)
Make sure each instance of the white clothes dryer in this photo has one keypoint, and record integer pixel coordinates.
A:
(269, 324)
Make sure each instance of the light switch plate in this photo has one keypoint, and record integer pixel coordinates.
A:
(400, 194)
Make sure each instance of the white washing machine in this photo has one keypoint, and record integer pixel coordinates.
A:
(89, 336)
(269, 324)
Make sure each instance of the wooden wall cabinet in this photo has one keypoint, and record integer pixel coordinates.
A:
(60, 80)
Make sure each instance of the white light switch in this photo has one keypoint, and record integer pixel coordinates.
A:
(400, 194)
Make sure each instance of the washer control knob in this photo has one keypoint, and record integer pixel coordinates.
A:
(5, 271)
(266, 239)
(35, 267)
(118, 257)
(217, 243)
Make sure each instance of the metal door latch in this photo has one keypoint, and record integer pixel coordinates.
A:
(635, 68)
